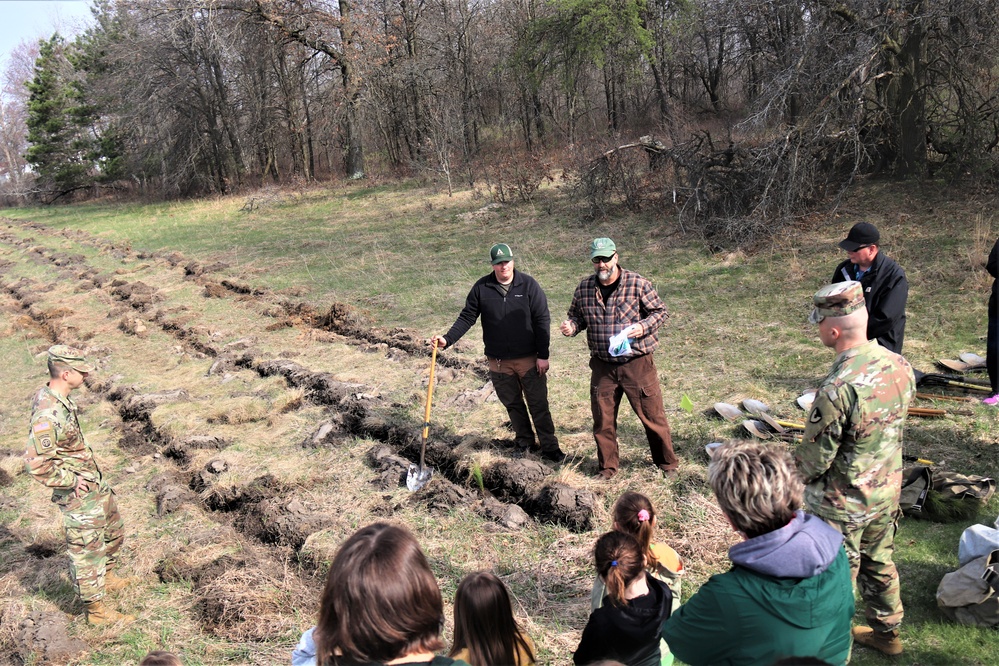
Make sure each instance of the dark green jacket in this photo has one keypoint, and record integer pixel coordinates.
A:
(742, 617)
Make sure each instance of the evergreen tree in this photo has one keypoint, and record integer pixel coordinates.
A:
(62, 146)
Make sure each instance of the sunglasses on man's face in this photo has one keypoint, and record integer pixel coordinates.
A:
(603, 260)
(862, 247)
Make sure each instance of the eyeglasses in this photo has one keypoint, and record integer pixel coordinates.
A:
(603, 260)
(862, 247)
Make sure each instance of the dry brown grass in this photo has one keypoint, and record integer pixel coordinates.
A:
(737, 331)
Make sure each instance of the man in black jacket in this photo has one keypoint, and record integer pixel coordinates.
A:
(885, 288)
(516, 333)
(992, 339)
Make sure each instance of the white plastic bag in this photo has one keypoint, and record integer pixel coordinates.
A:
(620, 344)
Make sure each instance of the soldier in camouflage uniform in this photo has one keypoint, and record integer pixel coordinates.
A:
(59, 457)
(851, 454)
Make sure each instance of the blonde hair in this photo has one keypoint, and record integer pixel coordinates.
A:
(757, 486)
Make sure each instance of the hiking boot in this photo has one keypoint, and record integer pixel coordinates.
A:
(113, 583)
(991, 401)
(98, 613)
(556, 455)
(886, 642)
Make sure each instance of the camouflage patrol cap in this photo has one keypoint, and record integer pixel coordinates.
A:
(837, 300)
(70, 356)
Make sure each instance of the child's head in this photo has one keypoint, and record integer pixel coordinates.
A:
(634, 515)
(161, 658)
(483, 621)
(381, 600)
(619, 561)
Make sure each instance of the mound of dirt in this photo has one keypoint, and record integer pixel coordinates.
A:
(170, 493)
(559, 503)
(243, 596)
(282, 522)
(44, 638)
(515, 478)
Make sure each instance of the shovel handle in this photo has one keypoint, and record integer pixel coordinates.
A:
(430, 399)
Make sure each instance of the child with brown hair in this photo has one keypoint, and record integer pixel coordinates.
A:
(161, 658)
(633, 514)
(627, 627)
(381, 605)
(485, 631)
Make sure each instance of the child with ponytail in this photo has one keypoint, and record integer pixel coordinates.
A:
(633, 514)
(627, 626)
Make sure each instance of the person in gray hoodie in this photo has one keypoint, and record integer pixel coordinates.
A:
(789, 591)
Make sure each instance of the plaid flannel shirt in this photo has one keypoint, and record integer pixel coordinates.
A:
(635, 301)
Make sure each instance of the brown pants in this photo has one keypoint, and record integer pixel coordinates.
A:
(515, 379)
(637, 379)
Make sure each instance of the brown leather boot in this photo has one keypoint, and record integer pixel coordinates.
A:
(886, 642)
(113, 583)
(98, 613)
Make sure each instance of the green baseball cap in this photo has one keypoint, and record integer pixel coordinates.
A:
(70, 356)
(602, 247)
(837, 300)
(499, 253)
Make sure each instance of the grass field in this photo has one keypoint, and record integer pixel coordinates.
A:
(222, 578)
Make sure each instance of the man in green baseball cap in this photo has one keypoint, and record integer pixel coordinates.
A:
(621, 313)
(58, 456)
(516, 333)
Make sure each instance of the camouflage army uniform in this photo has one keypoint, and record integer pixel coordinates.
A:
(56, 455)
(851, 460)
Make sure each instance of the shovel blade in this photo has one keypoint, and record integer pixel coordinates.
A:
(805, 401)
(973, 360)
(754, 407)
(955, 366)
(417, 477)
(756, 428)
(771, 421)
(728, 412)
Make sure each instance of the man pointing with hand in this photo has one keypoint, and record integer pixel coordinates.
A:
(621, 313)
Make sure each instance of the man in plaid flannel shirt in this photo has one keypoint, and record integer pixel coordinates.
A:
(605, 304)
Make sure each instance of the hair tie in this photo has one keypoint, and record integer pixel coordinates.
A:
(643, 515)
(613, 563)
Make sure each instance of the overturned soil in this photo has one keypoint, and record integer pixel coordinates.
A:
(273, 519)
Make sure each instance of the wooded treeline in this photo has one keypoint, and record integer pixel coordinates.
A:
(764, 104)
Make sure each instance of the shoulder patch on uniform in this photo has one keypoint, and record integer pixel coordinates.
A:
(815, 416)
(43, 434)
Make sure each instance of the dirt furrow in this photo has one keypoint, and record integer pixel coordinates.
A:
(519, 481)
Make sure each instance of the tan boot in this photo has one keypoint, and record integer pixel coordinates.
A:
(113, 583)
(98, 613)
(886, 642)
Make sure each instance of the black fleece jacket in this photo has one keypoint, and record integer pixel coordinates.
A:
(513, 326)
(629, 634)
(885, 293)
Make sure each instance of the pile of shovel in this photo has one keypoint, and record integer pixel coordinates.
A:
(762, 425)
